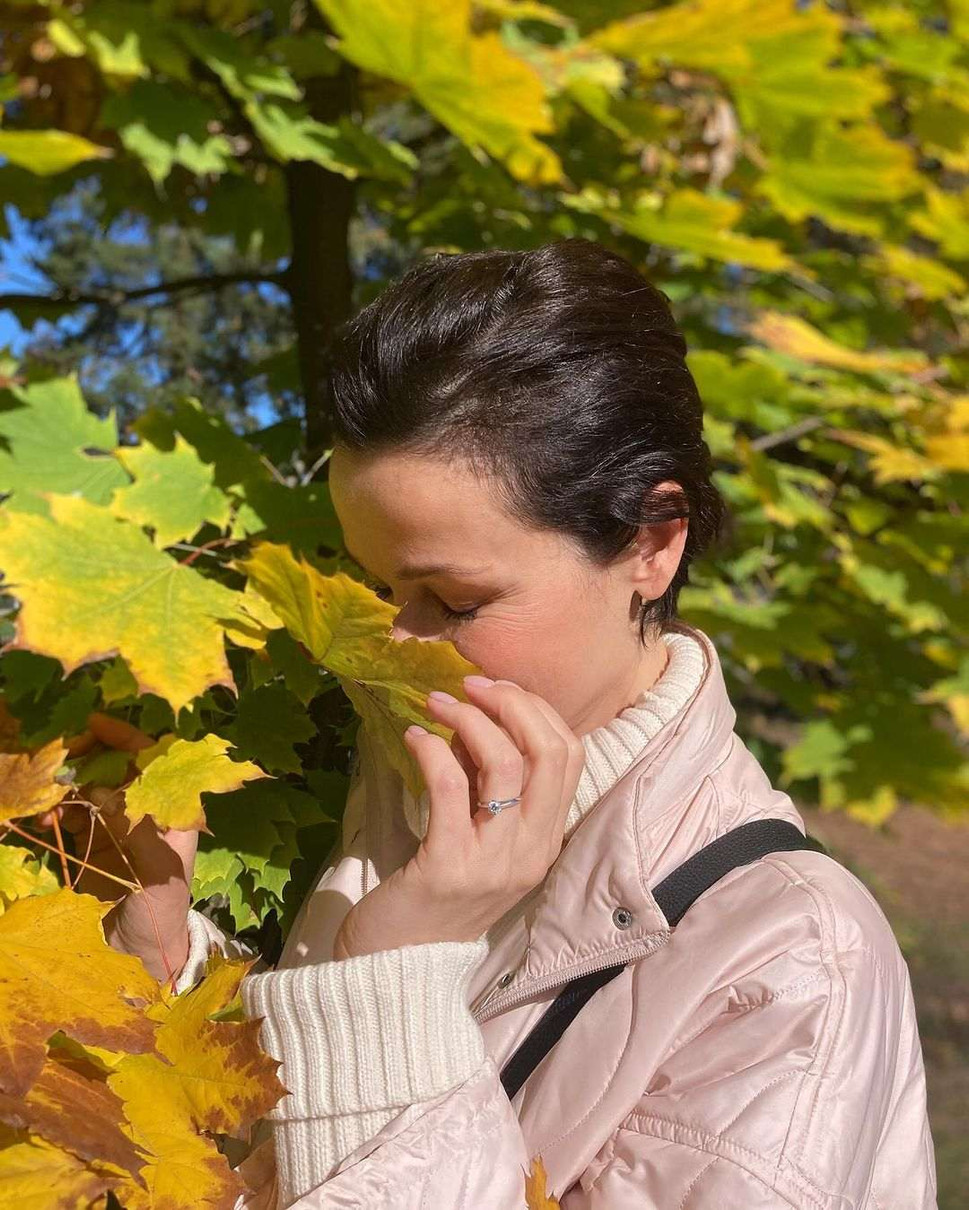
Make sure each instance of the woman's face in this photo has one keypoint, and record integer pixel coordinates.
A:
(525, 605)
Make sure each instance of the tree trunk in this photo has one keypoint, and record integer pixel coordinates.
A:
(319, 279)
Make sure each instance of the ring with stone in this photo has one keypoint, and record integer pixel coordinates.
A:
(497, 805)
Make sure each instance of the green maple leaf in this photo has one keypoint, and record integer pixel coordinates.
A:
(45, 433)
(269, 721)
(173, 492)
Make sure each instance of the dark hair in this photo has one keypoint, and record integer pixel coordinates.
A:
(559, 373)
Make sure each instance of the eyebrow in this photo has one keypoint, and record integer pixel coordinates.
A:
(419, 571)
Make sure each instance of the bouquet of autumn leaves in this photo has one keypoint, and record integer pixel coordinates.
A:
(170, 589)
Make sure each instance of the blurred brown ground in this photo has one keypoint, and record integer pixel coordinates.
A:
(917, 867)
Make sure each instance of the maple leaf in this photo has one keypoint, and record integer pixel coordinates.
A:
(37, 1175)
(796, 337)
(57, 973)
(472, 83)
(21, 875)
(208, 1076)
(27, 785)
(174, 492)
(345, 627)
(176, 774)
(46, 431)
(71, 1106)
(536, 1197)
(301, 515)
(10, 727)
(256, 829)
(270, 720)
(91, 586)
(255, 622)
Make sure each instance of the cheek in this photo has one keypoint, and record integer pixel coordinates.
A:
(533, 652)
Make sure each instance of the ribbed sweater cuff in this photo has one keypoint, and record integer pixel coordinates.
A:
(371, 1032)
(205, 938)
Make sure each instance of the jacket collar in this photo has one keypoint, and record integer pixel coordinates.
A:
(570, 924)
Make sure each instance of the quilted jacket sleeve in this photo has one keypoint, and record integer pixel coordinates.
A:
(392, 1097)
(361, 1039)
(462, 1150)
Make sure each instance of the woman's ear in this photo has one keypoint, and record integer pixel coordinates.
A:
(659, 552)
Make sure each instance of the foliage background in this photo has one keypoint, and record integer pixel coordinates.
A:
(197, 191)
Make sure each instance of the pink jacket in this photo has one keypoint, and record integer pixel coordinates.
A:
(764, 1053)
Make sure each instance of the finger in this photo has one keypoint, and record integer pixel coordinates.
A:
(466, 761)
(116, 733)
(80, 744)
(547, 752)
(46, 820)
(499, 765)
(577, 749)
(448, 789)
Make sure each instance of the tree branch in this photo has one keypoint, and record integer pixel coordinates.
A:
(117, 297)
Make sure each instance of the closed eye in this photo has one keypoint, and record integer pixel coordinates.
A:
(454, 615)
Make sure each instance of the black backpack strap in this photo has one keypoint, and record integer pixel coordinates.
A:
(551, 1025)
(751, 841)
(674, 895)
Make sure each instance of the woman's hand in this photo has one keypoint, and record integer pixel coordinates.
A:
(151, 924)
(471, 866)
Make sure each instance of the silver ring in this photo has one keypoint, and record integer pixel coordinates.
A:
(497, 805)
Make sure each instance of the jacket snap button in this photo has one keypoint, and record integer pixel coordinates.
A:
(506, 978)
(622, 918)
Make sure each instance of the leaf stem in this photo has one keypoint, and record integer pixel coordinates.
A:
(12, 827)
(208, 546)
(59, 837)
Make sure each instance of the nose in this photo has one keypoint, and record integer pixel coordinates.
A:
(400, 630)
(399, 633)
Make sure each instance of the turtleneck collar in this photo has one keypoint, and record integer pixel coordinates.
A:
(612, 748)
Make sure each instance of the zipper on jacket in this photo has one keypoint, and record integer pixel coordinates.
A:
(642, 949)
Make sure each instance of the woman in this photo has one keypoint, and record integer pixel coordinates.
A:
(519, 464)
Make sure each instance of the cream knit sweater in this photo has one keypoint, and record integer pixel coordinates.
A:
(362, 1038)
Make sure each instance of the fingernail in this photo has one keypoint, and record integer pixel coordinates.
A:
(414, 729)
(440, 696)
(481, 681)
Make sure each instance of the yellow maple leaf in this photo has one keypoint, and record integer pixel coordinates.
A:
(27, 785)
(794, 336)
(472, 83)
(176, 772)
(256, 618)
(21, 874)
(889, 462)
(71, 1106)
(37, 1175)
(91, 586)
(208, 1076)
(45, 152)
(536, 1197)
(57, 973)
(345, 627)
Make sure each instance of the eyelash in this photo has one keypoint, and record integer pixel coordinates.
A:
(454, 615)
